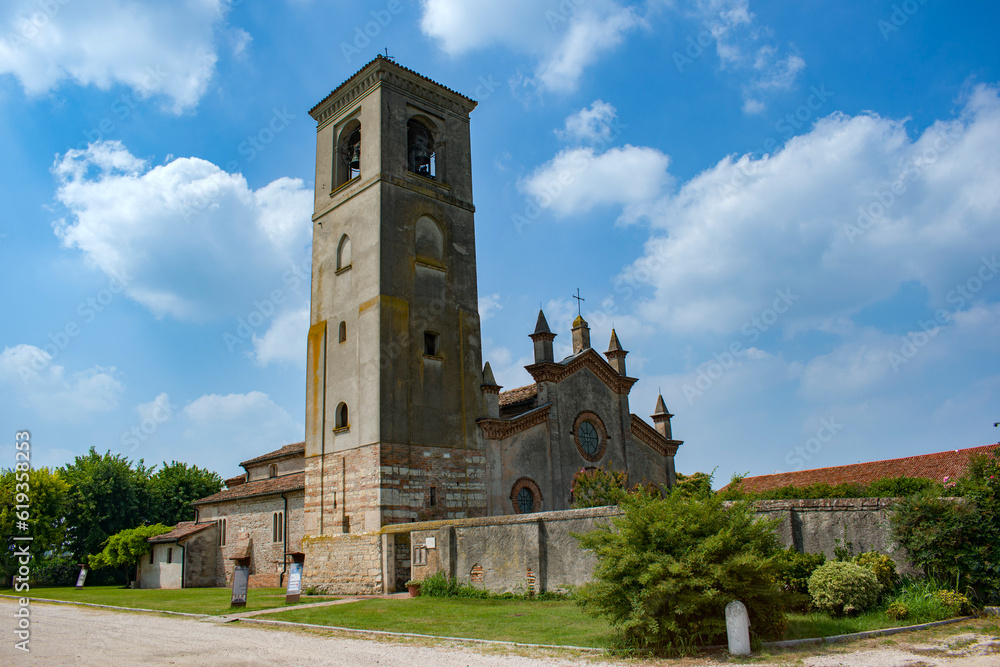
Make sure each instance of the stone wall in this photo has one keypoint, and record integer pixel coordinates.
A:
(200, 558)
(345, 564)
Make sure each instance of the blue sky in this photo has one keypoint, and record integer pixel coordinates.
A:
(788, 211)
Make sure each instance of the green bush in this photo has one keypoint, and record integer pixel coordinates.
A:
(793, 572)
(667, 568)
(597, 488)
(884, 569)
(922, 600)
(958, 603)
(842, 588)
(56, 571)
(897, 611)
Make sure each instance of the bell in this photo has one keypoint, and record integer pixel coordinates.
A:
(354, 159)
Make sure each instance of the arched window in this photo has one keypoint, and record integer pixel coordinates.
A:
(272, 470)
(278, 527)
(343, 332)
(347, 161)
(344, 253)
(590, 436)
(341, 418)
(222, 532)
(429, 241)
(420, 157)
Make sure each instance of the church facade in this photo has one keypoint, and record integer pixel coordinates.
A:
(404, 422)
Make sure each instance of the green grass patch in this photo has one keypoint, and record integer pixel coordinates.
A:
(189, 600)
(818, 624)
(560, 623)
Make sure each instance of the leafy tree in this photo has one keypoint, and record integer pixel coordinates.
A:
(107, 495)
(958, 541)
(667, 567)
(597, 488)
(47, 494)
(697, 484)
(174, 486)
(125, 548)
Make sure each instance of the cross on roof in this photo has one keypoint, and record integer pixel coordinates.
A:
(579, 302)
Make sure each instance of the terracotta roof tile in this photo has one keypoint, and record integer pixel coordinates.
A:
(287, 450)
(236, 481)
(519, 394)
(260, 487)
(936, 466)
(180, 531)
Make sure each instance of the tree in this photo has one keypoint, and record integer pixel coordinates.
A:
(125, 548)
(107, 495)
(174, 486)
(667, 568)
(46, 493)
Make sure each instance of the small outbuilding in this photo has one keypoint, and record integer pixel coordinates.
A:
(183, 558)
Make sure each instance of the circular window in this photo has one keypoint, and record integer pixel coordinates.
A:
(589, 442)
(525, 496)
(590, 435)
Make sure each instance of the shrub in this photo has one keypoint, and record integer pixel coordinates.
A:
(56, 571)
(883, 567)
(793, 572)
(597, 488)
(843, 588)
(922, 601)
(897, 611)
(667, 568)
(956, 602)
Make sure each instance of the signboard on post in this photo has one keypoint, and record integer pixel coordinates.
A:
(241, 581)
(294, 578)
(82, 577)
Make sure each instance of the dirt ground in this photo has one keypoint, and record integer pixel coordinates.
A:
(73, 635)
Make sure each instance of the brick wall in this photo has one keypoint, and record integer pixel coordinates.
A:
(347, 564)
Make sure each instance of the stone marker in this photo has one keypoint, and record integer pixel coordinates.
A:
(738, 628)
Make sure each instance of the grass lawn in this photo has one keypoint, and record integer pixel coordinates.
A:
(801, 626)
(190, 600)
(559, 622)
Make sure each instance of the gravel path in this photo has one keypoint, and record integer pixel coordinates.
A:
(72, 635)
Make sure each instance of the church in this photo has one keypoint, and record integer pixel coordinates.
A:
(406, 427)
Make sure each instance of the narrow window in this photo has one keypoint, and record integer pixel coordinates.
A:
(420, 157)
(150, 557)
(222, 532)
(434, 496)
(277, 527)
(343, 332)
(341, 417)
(170, 555)
(347, 165)
(344, 253)
(272, 470)
(431, 340)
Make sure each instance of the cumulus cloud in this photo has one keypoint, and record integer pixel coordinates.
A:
(565, 38)
(242, 425)
(489, 304)
(285, 340)
(187, 239)
(153, 48)
(578, 179)
(842, 216)
(590, 124)
(28, 377)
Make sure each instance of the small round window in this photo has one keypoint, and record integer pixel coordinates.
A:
(590, 442)
(525, 496)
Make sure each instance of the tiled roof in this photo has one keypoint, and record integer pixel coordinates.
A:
(260, 487)
(519, 394)
(236, 481)
(387, 61)
(937, 466)
(180, 531)
(294, 448)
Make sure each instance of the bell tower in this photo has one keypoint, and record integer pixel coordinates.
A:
(394, 355)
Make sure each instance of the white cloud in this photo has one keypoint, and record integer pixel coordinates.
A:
(158, 410)
(563, 37)
(186, 238)
(243, 425)
(154, 48)
(578, 179)
(285, 340)
(590, 124)
(28, 377)
(489, 304)
(820, 218)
